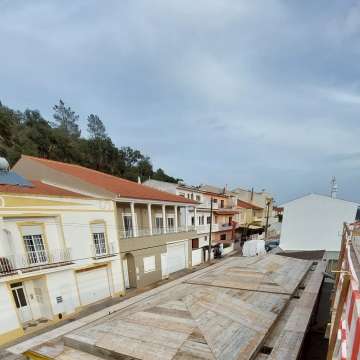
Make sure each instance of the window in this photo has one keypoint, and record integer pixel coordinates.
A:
(34, 244)
(222, 203)
(98, 234)
(215, 201)
(182, 194)
(230, 220)
(201, 220)
(195, 243)
(128, 226)
(192, 196)
(158, 224)
(149, 264)
(223, 237)
(208, 219)
(197, 197)
(192, 220)
(170, 224)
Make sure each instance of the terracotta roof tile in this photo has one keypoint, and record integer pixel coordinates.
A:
(38, 188)
(118, 186)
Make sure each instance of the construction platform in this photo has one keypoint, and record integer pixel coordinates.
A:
(240, 308)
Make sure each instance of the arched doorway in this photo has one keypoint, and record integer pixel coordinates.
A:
(129, 271)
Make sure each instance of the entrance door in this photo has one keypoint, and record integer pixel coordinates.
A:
(21, 301)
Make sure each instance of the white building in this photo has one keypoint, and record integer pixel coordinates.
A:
(315, 222)
(58, 253)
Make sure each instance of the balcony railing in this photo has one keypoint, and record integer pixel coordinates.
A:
(33, 260)
(102, 252)
(139, 232)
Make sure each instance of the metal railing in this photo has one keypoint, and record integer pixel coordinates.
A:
(34, 260)
(101, 252)
(139, 232)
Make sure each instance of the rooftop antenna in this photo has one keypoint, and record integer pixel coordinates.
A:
(334, 187)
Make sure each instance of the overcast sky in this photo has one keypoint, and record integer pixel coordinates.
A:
(244, 93)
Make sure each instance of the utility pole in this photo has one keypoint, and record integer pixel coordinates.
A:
(267, 218)
(211, 217)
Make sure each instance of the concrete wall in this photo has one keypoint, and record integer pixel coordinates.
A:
(315, 222)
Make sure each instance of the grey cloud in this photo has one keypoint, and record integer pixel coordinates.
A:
(238, 92)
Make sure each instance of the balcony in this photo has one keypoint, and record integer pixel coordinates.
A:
(141, 232)
(100, 252)
(140, 238)
(34, 260)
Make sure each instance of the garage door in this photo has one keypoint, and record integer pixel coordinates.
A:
(176, 257)
(93, 285)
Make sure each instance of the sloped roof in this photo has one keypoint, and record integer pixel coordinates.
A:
(246, 205)
(118, 186)
(37, 188)
(12, 178)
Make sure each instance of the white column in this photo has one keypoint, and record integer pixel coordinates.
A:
(195, 220)
(164, 218)
(176, 219)
(186, 217)
(150, 219)
(133, 218)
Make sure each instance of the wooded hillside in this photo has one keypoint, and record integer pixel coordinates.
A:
(29, 133)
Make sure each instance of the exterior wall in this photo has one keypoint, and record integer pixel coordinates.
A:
(216, 237)
(10, 326)
(66, 224)
(161, 185)
(315, 222)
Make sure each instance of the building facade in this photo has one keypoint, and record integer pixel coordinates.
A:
(154, 236)
(58, 253)
(315, 222)
(222, 217)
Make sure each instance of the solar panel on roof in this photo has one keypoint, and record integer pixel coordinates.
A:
(12, 178)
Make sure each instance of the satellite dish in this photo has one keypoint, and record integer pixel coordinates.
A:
(4, 165)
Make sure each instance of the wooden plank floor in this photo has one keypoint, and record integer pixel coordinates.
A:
(224, 313)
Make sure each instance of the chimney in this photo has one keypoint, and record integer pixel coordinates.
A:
(252, 194)
(139, 180)
(334, 187)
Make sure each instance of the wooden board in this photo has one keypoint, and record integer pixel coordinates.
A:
(225, 313)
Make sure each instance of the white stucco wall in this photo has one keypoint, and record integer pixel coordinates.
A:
(314, 222)
(9, 320)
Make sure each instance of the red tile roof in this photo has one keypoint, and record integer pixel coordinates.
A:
(118, 186)
(246, 205)
(38, 188)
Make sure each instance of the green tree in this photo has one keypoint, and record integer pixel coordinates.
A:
(95, 127)
(66, 119)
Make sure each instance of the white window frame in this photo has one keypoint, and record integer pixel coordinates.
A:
(129, 232)
(170, 216)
